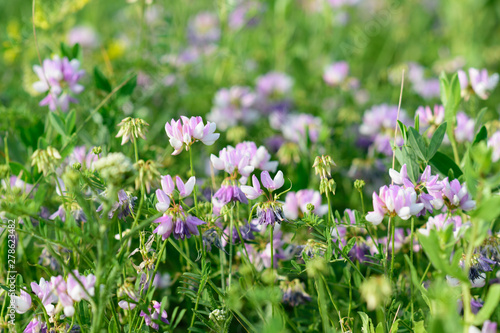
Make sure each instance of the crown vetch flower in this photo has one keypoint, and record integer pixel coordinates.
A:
(296, 203)
(177, 221)
(455, 195)
(22, 302)
(294, 292)
(155, 315)
(494, 143)
(185, 189)
(480, 82)
(394, 200)
(254, 191)
(59, 77)
(233, 105)
(430, 119)
(186, 131)
(131, 129)
(81, 291)
(336, 73)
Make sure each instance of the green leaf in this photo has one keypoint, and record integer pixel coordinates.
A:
(419, 327)
(489, 209)
(129, 87)
(16, 169)
(436, 140)
(394, 327)
(70, 122)
(444, 164)
(417, 143)
(491, 303)
(76, 54)
(482, 135)
(367, 323)
(57, 123)
(101, 82)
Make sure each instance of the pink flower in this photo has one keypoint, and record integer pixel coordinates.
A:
(186, 131)
(296, 203)
(394, 200)
(272, 184)
(185, 189)
(22, 302)
(78, 291)
(252, 192)
(494, 143)
(336, 73)
(46, 294)
(59, 77)
(455, 195)
(430, 119)
(480, 82)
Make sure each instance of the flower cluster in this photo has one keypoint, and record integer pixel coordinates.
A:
(186, 131)
(59, 77)
(155, 314)
(478, 82)
(232, 106)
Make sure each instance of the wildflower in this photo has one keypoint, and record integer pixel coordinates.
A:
(60, 78)
(237, 161)
(480, 83)
(270, 212)
(46, 295)
(155, 315)
(443, 221)
(115, 168)
(296, 204)
(379, 124)
(73, 208)
(488, 327)
(204, 29)
(186, 189)
(123, 207)
(464, 130)
(376, 291)
(273, 91)
(36, 326)
(494, 144)
(294, 292)
(82, 156)
(233, 105)
(22, 302)
(131, 129)
(301, 127)
(254, 191)
(85, 36)
(186, 131)
(455, 195)
(45, 159)
(430, 119)
(428, 187)
(491, 248)
(478, 266)
(394, 200)
(229, 191)
(177, 221)
(245, 15)
(84, 289)
(218, 317)
(272, 184)
(336, 73)
(211, 237)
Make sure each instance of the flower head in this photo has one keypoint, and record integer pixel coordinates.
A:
(394, 200)
(336, 73)
(154, 315)
(131, 129)
(59, 77)
(480, 83)
(455, 195)
(186, 131)
(22, 302)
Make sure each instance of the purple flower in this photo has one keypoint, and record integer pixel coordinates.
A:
(17, 182)
(230, 192)
(243, 159)
(204, 29)
(86, 36)
(46, 294)
(480, 83)
(254, 191)
(394, 200)
(123, 207)
(177, 221)
(272, 184)
(443, 221)
(59, 77)
(455, 195)
(36, 326)
(186, 189)
(296, 203)
(22, 302)
(269, 213)
(464, 130)
(245, 15)
(76, 291)
(152, 318)
(488, 326)
(336, 73)
(494, 144)
(233, 105)
(379, 124)
(83, 156)
(295, 127)
(186, 131)
(294, 292)
(478, 266)
(274, 85)
(430, 119)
